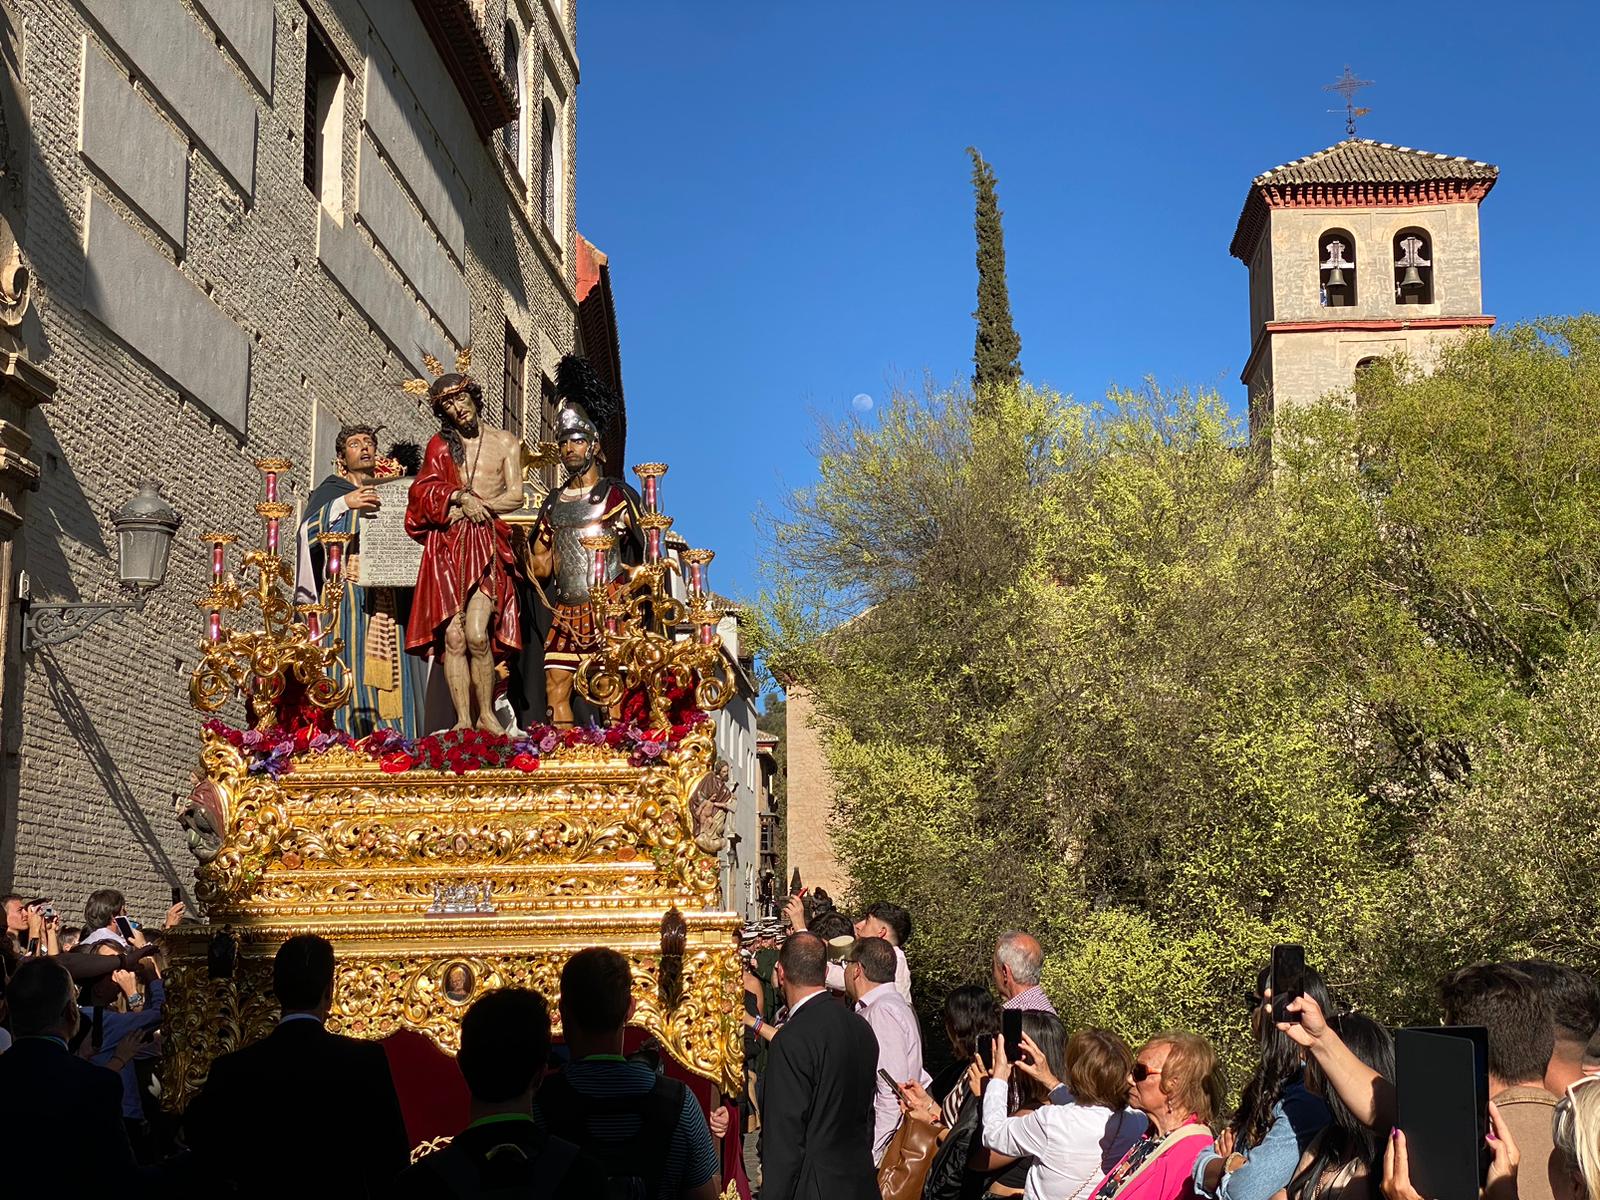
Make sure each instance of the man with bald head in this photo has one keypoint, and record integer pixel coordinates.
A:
(817, 1104)
(1017, 961)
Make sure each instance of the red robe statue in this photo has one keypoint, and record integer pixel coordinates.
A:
(456, 560)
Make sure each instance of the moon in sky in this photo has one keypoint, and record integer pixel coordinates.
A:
(861, 402)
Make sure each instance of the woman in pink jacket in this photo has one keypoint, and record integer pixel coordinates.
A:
(1177, 1082)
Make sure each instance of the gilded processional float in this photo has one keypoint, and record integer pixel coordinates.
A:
(448, 864)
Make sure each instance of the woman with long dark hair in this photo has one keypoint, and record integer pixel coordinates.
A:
(1277, 1116)
(971, 1017)
(1345, 1160)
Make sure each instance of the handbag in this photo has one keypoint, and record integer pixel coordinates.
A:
(906, 1160)
(949, 1178)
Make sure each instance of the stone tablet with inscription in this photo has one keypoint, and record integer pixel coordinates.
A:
(388, 557)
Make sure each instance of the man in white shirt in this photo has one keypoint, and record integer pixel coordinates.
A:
(893, 924)
(869, 981)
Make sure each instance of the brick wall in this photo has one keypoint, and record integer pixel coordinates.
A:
(106, 737)
(810, 803)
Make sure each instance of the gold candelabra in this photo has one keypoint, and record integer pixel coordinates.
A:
(295, 641)
(650, 640)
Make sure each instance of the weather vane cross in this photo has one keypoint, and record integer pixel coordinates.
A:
(1347, 85)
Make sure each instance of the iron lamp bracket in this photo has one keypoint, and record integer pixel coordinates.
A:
(50, 623)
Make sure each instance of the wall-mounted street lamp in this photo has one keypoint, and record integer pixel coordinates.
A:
(144, 525)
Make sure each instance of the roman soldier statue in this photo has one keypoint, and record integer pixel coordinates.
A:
(588, 503)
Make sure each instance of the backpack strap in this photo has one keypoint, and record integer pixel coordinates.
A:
(554, 1164)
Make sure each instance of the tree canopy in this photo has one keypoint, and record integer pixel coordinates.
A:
(1108, 673)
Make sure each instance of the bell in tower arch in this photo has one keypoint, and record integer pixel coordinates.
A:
(1336, 287)
(1413, 285)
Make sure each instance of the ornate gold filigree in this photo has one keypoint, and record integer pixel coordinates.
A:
(587, 850)
(370, 837)
(641, 650)
(380, 989)
(258, 664)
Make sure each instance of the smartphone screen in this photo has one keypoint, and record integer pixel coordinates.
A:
(1442, 1082)
(986, 1051)
(889, 1079)
(1011, 1029)
(124, 926)
(177, 895)
(1288, 980)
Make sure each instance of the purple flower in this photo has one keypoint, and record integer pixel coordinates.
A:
(253, 738)
(650, 750)
(549, 742)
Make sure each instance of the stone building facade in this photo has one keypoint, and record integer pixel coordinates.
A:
(247, 221)
(1315, 320)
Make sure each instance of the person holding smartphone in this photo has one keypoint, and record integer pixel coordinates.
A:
(1072, 1145)
(869, 982)
(1278, 1117)
(105, 918)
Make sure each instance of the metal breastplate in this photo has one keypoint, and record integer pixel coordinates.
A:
(572, 521)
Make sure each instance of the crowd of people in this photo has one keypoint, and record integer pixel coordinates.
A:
(838, 1103)
(1077, 1114)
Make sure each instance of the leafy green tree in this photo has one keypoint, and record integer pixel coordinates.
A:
(997, 354)
(1104, 673)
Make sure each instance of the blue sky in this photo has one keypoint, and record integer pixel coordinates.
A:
(784, 195)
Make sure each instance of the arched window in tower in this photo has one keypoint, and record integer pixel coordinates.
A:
(512, 132)
(1336, 269)
(1413, 267)
(549, 168)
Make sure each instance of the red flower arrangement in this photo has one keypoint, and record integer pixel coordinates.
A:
(457, 751)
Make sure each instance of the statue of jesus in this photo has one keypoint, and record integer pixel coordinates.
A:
(465, 603)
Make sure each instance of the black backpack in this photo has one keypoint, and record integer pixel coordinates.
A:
(538, 1179)
(635, 1164)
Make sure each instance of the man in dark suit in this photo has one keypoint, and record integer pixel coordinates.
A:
(43, 1083)
(303, 1112)
(816, 1112)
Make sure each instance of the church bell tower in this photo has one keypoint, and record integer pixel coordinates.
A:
(1356, 252)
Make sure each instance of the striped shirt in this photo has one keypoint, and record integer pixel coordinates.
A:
(1032, 1000)
(691, 1161)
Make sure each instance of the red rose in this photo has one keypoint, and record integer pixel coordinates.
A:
(302, 739)
(397, 763)
(525, 761)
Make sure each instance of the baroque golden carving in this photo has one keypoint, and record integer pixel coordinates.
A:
(586, 850)
(383, 986)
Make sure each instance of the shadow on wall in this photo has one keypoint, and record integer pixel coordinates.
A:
(135, 829)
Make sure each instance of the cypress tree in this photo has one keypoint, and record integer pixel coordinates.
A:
(996, 355)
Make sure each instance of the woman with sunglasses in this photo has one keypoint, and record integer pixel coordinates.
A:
(1277, 1117)
(1177, 1082)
